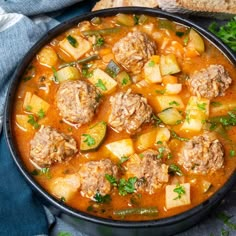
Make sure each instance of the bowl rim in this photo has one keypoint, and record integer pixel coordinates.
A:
(208, 204)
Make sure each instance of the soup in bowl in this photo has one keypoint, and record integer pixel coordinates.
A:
(126, 117)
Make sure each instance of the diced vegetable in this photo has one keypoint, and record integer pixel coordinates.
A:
(124, 19)
(81, 61)
(169, 64)
(121, 148)
(221, 108)
(206, 185)
(123, 79)
(68, 73)
(101, 31)
(173, 88)
(137, 211)
(152, 72)
(65, 187)
(35, 103)
(76, 50)
(167, 101)
(112, 69)
(22, 122)
(197, 111)
(170, 116)
(146, 140)
(196, 41)
(169, 79)
(162, 135)
(103, 81)
(47, 57)
(93, 137)
(177, 195)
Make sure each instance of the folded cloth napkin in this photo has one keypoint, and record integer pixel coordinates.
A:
(20, 211)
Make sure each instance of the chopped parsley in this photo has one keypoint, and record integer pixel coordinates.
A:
(55, 76)
(136, 19)
(73, 42)
(33, 121)
(41, 114)
(28, 108)
(174, 169)
(111, 179)
(226, 219)
(86, 73)
(63, 233)
(151, 63)
(156, 119)
(122, 160)
(101, 85)
(124, 186)
(89, 139)
(232, 153)
(180, 190)
(99, 42)
(176, 136)
(174, 103)
(216, 104)
(160, 91)
(124, 81)
(161, 151)
(44, 171)
(179, 33)
(102, 199)
(201, 106)
(63, 199)
(127, 186)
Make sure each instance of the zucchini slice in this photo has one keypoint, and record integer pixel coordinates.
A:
(94, 136)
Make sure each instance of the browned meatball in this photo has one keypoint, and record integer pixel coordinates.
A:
(77, 101)
(149, 170)
(92, 176)
(49, 146)
(210, 82)
(202, 154)
(129, 111)
(133, 51)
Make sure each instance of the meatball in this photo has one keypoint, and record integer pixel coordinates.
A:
(77, 101)
(202, 154)
(210, 82)
(92, 177)
(129, 111)
(149, 170)
(133, 51)
(49, 146)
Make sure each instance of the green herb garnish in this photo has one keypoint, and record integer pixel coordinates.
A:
(160, 91)
(41, 114)
(99, 42)
(102, 199)
(89, 139)
(174, 169)
(216, 104)
(180, 190)
(201, 106)
(226, 32)
(101, 85)
(176, 136)
(179, 33)
(151, 63)
(33, 121)
(127, 186)
(174, 103)
(111, 179)
(73, 42)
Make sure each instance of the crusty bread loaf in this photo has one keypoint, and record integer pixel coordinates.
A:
(201, 7)
(121, 3)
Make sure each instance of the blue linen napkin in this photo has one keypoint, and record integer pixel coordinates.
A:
(20, 211)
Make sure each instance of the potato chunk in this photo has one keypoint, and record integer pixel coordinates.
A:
(22, 122)
(78, 49)
(169, 64)
(103, 81)
(146, 140)
(152, 72)
(65, 187)
(47, 57)
(173, 199)
(121, 148)
(167, 101)
(34, 103)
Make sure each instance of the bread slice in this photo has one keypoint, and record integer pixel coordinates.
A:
(216, 8)
(122, 3)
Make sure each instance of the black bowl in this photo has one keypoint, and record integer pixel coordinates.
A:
(93, 225)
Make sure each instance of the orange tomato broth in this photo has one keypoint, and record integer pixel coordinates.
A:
(187, 64)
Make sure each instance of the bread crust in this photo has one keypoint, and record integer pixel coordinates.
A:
(123, 3)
